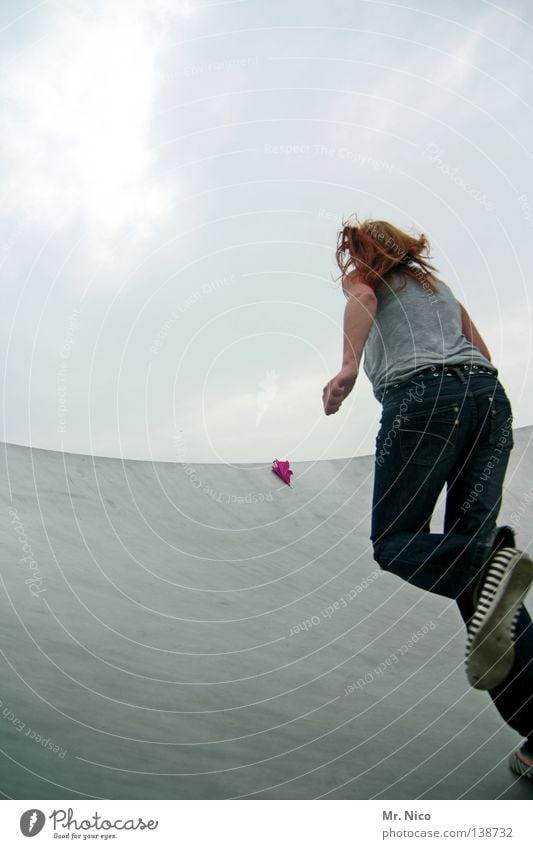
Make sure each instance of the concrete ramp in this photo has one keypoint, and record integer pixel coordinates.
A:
(204, 631)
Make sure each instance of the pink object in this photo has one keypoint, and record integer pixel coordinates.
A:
(281, 468)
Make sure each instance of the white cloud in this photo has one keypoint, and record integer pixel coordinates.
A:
(75, 135)
(454, 69)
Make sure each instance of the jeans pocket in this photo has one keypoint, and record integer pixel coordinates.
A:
(500, 422)
(429, 438)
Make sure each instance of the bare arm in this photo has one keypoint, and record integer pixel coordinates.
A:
(358, 318)
(473, 335)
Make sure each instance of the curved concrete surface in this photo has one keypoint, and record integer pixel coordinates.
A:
(170, 631)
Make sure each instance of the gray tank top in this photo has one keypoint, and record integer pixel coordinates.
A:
(415, 328)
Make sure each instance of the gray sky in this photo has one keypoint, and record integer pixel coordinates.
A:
(173, 178)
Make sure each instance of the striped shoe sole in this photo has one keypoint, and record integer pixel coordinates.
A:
(489, 648)
(519, 766)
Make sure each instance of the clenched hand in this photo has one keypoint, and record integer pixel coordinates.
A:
(338, 388)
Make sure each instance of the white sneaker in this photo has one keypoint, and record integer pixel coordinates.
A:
(490, 647)
(521, 763)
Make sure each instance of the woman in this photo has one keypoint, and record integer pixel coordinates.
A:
(446, 420)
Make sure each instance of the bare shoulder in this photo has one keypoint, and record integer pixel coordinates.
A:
(352, 285)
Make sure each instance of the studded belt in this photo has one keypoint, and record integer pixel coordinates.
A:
(439, 370)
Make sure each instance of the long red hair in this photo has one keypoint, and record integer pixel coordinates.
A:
(373, 249)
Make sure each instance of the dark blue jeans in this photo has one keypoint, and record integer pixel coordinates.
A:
(448, 429)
